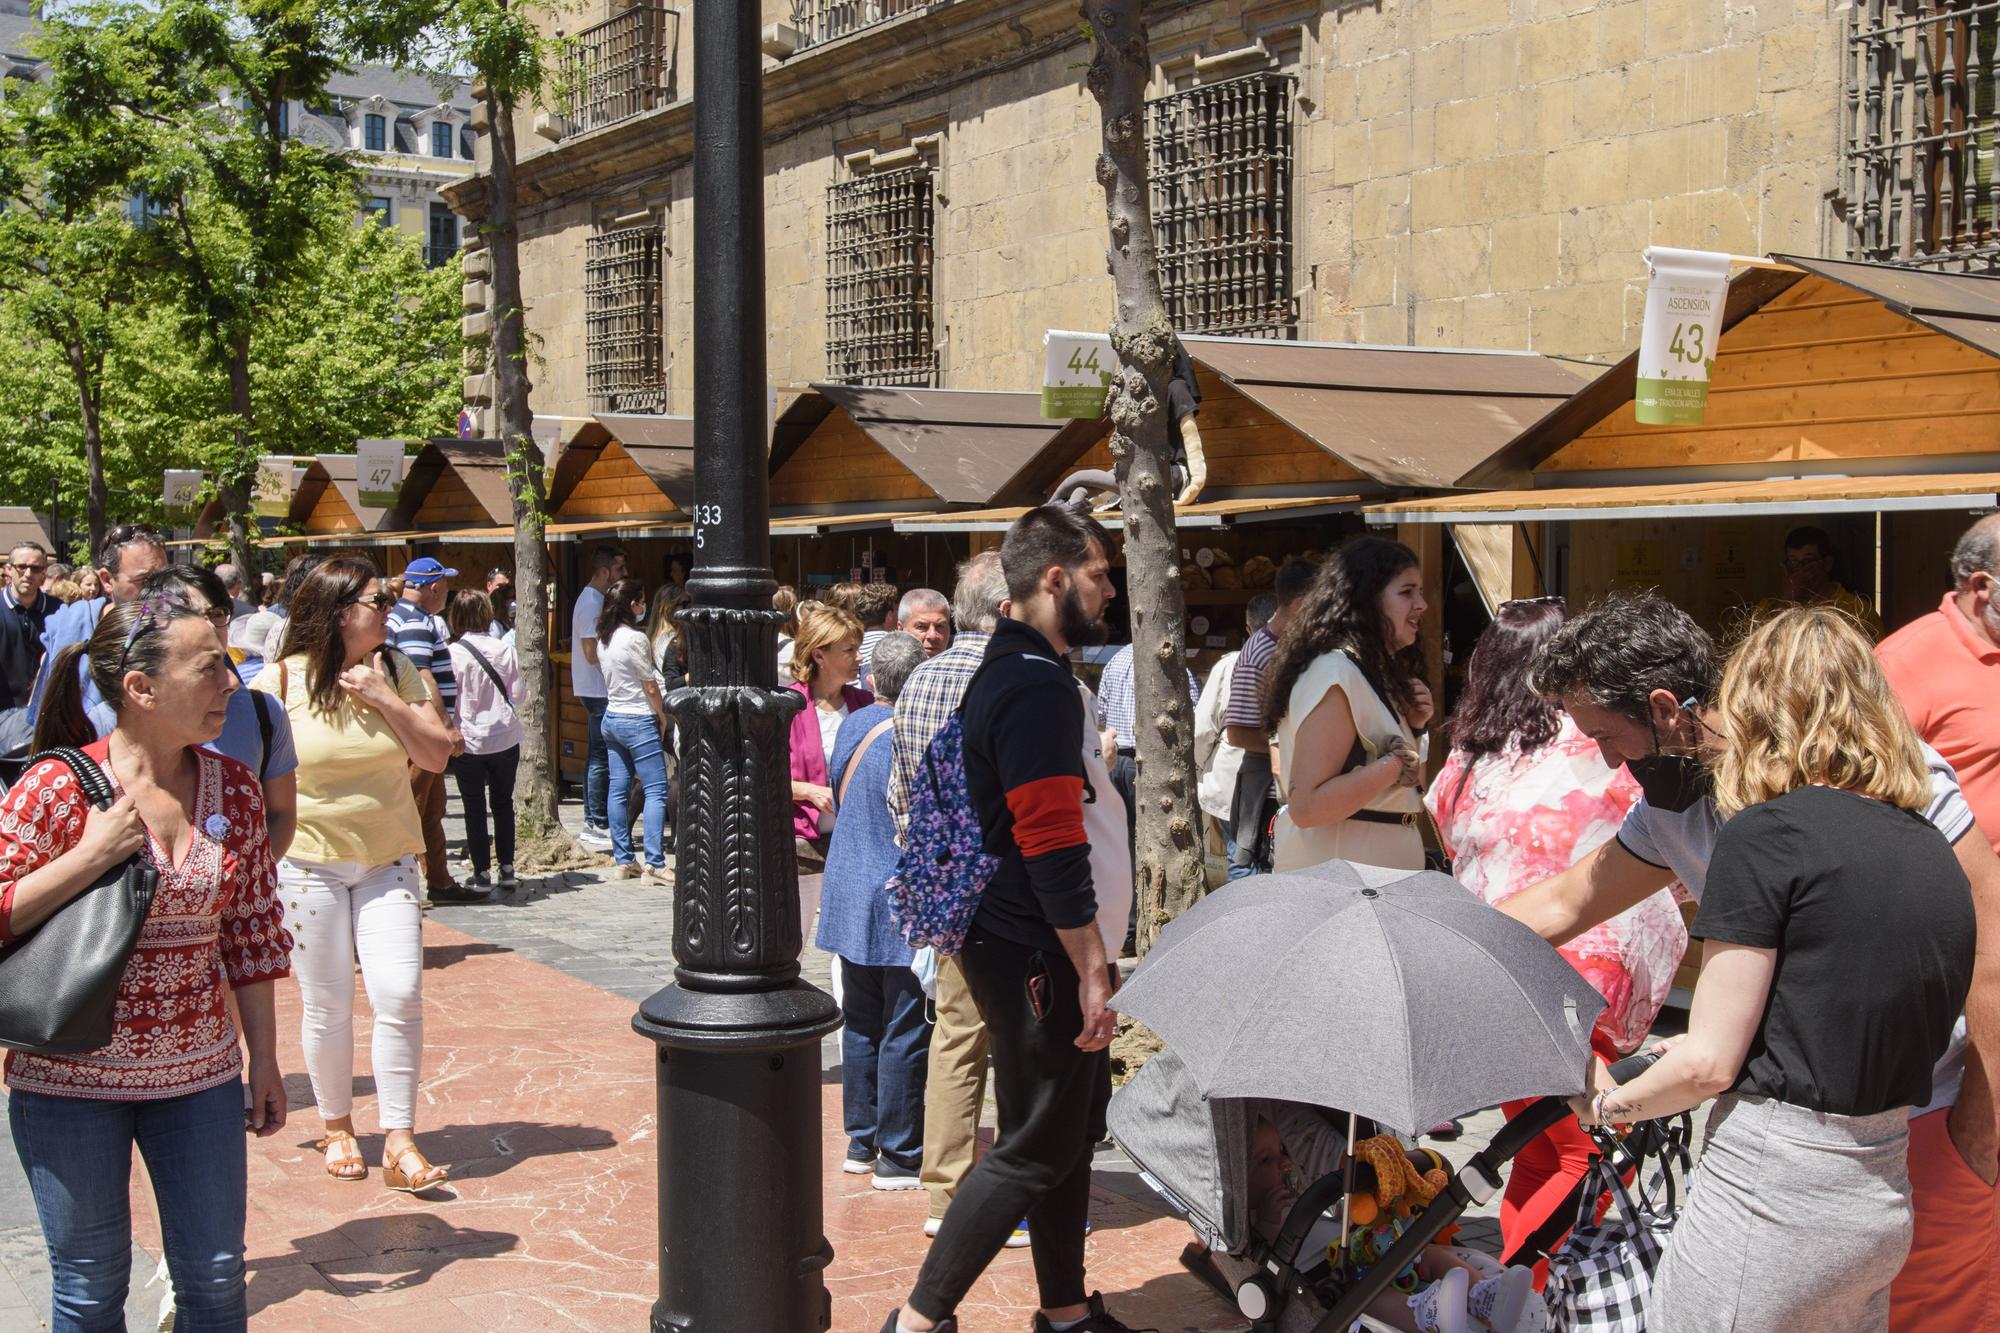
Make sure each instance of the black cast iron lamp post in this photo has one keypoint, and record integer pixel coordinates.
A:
(742, 1248)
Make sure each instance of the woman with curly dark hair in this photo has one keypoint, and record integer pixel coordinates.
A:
(1345, 699)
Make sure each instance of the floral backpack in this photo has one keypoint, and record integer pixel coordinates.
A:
(944, 868)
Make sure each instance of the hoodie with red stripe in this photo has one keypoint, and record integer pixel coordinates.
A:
(1023, 721)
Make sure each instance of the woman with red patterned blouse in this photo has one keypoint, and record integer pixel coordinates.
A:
(172, 1079)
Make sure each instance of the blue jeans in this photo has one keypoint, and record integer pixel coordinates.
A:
(884, 1059)
(1236, 872)
(596, 765)
(78, 1159)
(633, 740)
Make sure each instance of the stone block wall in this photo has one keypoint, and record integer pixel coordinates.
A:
(1479, 173)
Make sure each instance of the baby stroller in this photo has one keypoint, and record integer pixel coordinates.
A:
(1194, 1151)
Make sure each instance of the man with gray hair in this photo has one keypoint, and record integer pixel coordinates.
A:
(925, 615)
(131, 552)
(240, 607)
(956, 1084)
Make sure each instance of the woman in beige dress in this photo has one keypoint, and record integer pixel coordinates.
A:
(1346, 702)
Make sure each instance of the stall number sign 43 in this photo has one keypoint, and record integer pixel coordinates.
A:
(1687, 344)
(705, 517)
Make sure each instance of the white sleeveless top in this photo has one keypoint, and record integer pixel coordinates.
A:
(1400, 846)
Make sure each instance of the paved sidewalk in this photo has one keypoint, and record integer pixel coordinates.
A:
(541, 1098)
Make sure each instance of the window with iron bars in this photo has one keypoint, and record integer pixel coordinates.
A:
(878, 279)
(621, 67)
(623, 279)
(1923, 124)
(821, 21)
(1220, 161)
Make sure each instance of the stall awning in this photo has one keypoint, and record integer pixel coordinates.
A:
(1207, 514)
(583, 531)
(1709, 499)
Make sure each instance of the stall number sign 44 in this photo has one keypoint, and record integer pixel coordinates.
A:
(705, 517)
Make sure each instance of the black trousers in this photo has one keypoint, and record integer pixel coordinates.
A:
(481, 775)
(1051, 1099)
(1255, 805)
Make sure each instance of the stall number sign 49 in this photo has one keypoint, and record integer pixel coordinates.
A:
(705, 517)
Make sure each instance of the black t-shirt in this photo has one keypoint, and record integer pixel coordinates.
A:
(1872, 921)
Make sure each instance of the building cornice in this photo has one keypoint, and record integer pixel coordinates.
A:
(904, 57)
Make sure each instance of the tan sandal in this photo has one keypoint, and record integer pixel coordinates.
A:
(426, 1176)
(350, 1164)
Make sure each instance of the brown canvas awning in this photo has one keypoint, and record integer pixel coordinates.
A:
(965, 446)
(1402, 416)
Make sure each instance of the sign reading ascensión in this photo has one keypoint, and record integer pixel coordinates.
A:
(1684, 303)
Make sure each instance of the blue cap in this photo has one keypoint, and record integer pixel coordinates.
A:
(426, 571)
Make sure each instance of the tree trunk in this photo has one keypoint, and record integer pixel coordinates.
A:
(1169, 864)
(236, 482)
(544, 843)
(87, 390)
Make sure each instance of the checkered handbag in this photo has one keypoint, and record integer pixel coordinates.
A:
(1600, 1274)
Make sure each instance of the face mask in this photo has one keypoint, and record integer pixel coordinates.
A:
(1672, 782)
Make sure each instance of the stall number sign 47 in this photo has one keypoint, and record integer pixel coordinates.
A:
(705, 517)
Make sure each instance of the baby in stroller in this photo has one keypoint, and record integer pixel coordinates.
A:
(1448, 1289)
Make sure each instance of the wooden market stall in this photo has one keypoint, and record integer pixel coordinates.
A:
(1860, 398)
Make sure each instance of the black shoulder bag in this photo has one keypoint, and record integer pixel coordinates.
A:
(59, 983)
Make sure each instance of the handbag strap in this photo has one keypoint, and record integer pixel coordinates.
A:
(854, 760)
(491, 674)
(89, 776)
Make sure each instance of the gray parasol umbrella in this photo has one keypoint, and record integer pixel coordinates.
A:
(1392, 994)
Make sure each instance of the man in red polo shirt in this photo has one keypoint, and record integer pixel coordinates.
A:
(1945, 668)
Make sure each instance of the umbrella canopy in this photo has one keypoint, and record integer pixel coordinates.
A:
(1394, 995)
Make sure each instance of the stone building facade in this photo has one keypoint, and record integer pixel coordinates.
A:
(1473, 173)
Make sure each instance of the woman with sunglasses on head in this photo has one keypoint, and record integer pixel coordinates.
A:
(635, 725)
(1524, 795)
(360, 716)
(172, 1079)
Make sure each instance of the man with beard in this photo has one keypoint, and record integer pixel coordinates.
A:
(1637, 674)
(1945, 670)
(1034, 959)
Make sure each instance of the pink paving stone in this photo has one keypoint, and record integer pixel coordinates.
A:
(540, 1097)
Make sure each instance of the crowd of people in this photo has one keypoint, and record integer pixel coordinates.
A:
(1829, 803)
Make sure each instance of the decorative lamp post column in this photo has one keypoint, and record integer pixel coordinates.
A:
(738, 1031)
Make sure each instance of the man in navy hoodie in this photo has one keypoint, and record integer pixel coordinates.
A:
(1034, 960)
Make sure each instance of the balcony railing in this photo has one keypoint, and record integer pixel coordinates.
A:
(821, 21)
(621, 67)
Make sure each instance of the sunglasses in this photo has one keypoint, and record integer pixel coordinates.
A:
(381, 601)
(28, 569)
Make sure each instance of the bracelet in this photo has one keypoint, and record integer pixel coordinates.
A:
(1598, 1108)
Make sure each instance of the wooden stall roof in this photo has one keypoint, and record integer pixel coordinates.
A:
(625, 464)
(18, 524)
(1818, 365)
(1401, 416)
(929, 446)
(1784, 496)
(1201, 514)
(331, 502)
(455, 483)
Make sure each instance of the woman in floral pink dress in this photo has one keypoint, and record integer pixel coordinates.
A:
(1523, 796)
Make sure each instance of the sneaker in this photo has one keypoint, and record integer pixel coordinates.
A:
(595, 835)
(889, 1176)
(1099, 1320)
(507, 880)
(1019, 1240)
(859, 1161)
(457, 893)
(481, 880)
(943, 1325)
(931, 1226)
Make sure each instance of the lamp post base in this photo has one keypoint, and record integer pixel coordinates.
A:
(738, 1075)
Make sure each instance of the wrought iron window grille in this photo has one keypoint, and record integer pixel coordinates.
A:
(880, 230)
(624, 348)
(1922, 129)
(621, 67)
(1219, 158)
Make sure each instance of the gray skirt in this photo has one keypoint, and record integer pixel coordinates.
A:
(1796, 1220)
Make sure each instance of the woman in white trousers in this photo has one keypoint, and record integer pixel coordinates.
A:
(361, 714)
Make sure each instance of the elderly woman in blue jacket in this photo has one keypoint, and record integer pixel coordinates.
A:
(885, 1046)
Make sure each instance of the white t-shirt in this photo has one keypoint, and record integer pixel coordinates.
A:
(1684, 842)
(829, 720)
(1110, 840)
(628, 665)
(585, 680)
